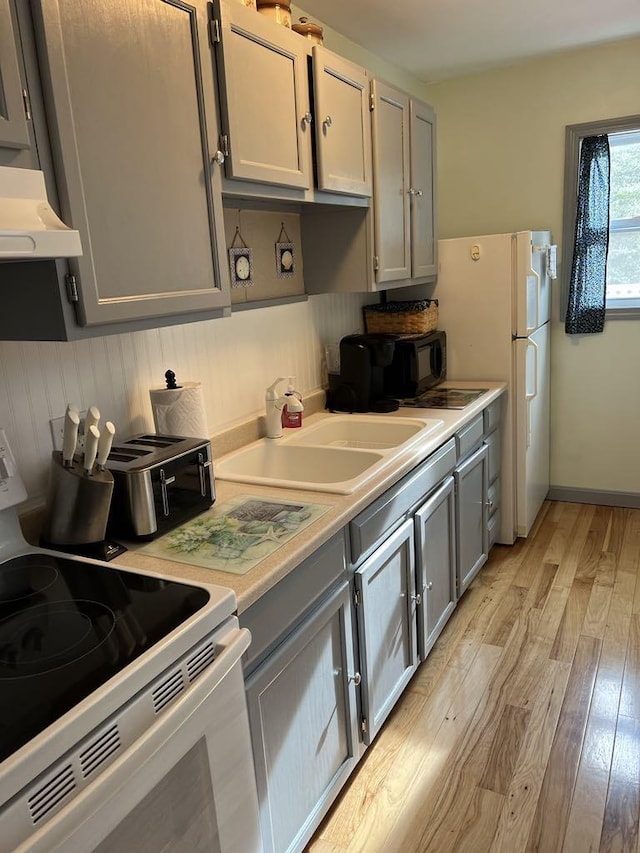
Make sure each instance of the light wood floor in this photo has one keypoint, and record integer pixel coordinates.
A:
(521, 731)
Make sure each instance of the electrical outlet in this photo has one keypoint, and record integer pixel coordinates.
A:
(57, 432)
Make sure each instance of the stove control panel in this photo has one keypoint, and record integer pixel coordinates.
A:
(12, 490)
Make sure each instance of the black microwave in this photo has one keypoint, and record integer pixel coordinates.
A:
(418, 363)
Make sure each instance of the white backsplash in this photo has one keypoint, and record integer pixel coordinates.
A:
(235, 358)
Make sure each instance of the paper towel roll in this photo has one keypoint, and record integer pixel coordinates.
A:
(180, 411)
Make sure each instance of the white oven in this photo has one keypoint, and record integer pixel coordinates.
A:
(123, 719)
(185, 783)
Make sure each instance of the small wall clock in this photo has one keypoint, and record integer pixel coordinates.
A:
(241, 263)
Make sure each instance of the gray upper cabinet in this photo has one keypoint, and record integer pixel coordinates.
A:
(404, 183)
(279, 94)
(266, 118)
(343, 126)
(129, 92)
(13, 120)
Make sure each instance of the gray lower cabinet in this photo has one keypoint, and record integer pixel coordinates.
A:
(472, 546)
(386, 613)
(131, 117)
(302, 714)
(13, 119)
(435, 564)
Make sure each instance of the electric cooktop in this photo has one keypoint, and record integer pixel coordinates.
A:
(67, 627)
(445, 398)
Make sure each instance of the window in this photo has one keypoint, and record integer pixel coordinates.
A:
(623, 262)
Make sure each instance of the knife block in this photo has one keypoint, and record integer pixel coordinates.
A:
(77, 505)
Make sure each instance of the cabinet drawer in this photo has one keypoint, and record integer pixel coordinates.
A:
(492, 415)
(278, 611)
(390, 508)
(469, 437)
(495, 447)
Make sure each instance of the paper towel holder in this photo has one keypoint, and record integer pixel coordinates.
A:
(170, 377)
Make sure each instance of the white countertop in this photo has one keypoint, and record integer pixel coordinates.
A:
(258, 580)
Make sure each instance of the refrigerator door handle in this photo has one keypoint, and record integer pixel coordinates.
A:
(531, 396)
(533, 282)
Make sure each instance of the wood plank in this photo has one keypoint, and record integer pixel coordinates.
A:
(505, 616)
(541, 587)
(440, 748)
(535, 553)
(630, 698)
(563, 536)
(520, 803)
(550, 821)
(622, 811)
(505, 748)
(593, 544)
(568, 562)
(595, 619)
(590, 793)
(479, 823)
(566, 639)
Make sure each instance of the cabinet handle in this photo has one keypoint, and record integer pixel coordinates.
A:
(357, 678)
(412, 191)
(307, 118)
(218, 158)
(328, 121)
(417, 598)
(429, 585)
(489, 505)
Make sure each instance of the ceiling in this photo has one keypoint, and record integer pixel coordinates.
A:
(436, 39)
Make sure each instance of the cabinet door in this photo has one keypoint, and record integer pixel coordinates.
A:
(472, 546)
(264, 96)
(391, 182)
(385, 592)
(343, 125)
(435, 564)
(422, 191)
(132, 116)
(13, 123)
(303, 724)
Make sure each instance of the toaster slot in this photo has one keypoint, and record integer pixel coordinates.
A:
(155, 440)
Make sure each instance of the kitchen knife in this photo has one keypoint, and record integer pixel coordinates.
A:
(90, 448)
(92, 418)
(104, 445)
(70, 437)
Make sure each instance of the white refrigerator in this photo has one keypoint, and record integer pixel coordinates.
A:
(494, 295)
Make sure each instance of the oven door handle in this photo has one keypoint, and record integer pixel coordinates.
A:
(74, 827)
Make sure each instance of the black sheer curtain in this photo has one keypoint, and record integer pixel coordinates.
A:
(585, 311)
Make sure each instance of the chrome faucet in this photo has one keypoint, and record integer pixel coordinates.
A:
(274, 406)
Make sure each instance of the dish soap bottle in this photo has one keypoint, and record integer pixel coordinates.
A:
(292, 411)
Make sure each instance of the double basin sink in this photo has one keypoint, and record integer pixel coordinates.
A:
(337, 454)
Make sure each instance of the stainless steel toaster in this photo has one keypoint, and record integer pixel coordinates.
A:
(160, 481)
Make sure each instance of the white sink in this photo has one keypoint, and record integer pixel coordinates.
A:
(360, 432)
(337, 454)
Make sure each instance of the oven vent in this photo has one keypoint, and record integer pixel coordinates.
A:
(199, 661)
(104, 746)
(167, 690)
(51, 793)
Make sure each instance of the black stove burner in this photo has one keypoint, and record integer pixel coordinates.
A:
(445, 398)
(67, 627)
(45, 637)
(17, 584)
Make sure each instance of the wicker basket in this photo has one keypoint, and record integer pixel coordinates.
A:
(416, 317)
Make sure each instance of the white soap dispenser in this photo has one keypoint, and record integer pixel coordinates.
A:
(292, 411)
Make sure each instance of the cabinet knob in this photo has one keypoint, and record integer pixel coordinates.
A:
(307, 118)
(428, 585)
(357, 678)
(413, 191)
(218, 158)
(417, 598)
(489, 505)
(328, 121)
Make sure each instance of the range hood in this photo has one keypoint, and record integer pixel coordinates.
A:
(29, 227)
